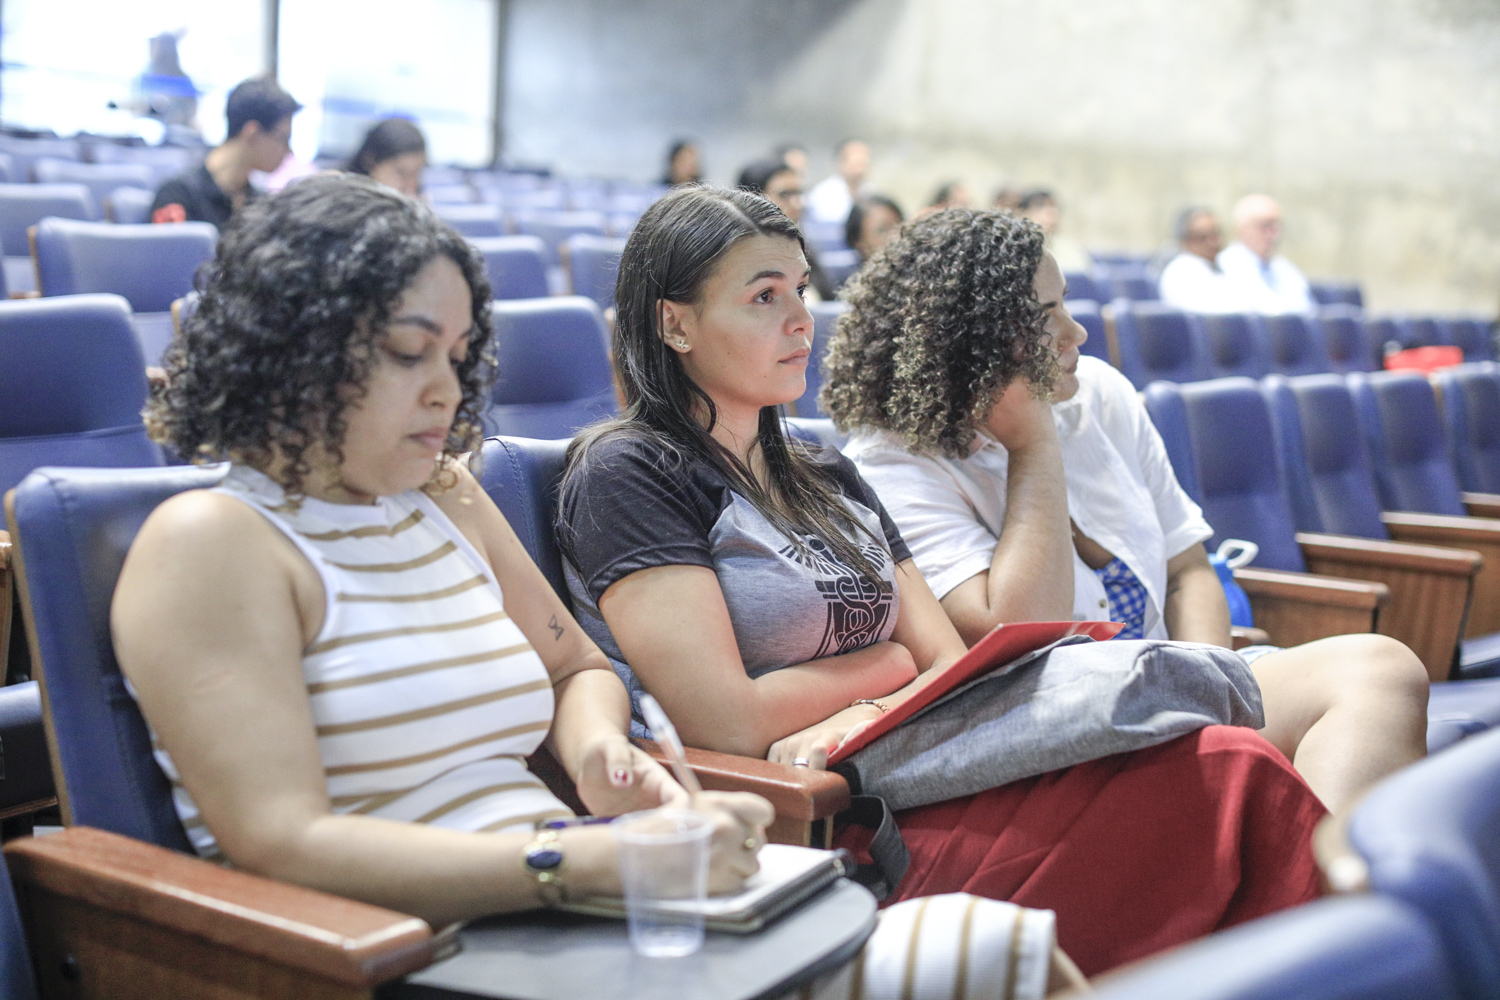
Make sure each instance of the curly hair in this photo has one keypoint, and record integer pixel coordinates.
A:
(941, 319)
(290, 312)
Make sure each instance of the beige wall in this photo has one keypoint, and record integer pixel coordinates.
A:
(1376, 122)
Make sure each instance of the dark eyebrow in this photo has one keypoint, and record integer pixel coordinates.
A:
(775, 274)
(421, 321)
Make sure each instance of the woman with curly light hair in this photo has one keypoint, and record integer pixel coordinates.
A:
(1031, 486)
(343, 651)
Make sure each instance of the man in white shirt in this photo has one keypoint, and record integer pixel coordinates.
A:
(1268, 281)
(833, 196)
(1192, 280)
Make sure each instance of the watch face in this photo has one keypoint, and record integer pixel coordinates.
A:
(543, 859)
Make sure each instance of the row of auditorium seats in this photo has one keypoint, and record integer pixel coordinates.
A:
(1134, 277)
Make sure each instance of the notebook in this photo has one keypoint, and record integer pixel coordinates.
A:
(788, 875)
(1005, 644)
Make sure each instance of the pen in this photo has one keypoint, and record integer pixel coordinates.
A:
(666, 737)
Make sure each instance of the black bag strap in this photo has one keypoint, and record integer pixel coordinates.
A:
(887, 849)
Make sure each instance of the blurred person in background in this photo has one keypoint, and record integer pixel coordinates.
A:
(394, 153)
(1193, 280)
(1267, 281)
(872, 222)
(831, 198)
(684, 164)
(1040, 206)
(1006, 199)
(259, 116)
(950, 194)
(778, 182)
(794, 155)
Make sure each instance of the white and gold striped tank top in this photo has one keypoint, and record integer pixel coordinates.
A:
(426, 696)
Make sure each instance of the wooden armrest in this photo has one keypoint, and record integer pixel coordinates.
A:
(4, 550)
(1312, 589)
(1399, 555)
(1482, 534)
(1240, 637)
(800, 795)
(110, 907)
(1294, 608)
(1482, 504)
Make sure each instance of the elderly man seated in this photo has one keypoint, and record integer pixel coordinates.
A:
(1268, 281)
(1193, 280)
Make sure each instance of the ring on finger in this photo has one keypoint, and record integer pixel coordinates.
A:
(801, 762)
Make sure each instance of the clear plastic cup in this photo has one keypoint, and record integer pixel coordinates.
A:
(664, 868)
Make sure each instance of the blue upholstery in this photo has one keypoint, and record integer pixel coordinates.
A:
(473, 221)
(593, 266)
(825, 318)
(1333, 293)
(130, 205)
(1157, 342)
(1082, 285)
(100, 178)
(72, 386)
(16, 979)
(1399, 417)
(149, 265)
(1296, 344)
(554, 375)
(25, 152)
(1234, 344)
(1475, 336)
(816, 430)
(449, 194)
(1471, 409)
(1088, 316)
(1349, 346)
(1422, 331)
(522, 475)
(72, 528)
(1386, 332)
(517, 265)
(553, 227)
(839, 265)
(24, 205)
(1323, 462)
(1137, 288)
(1431, 837)
(1354, 948)
(1169, 415)
(7, 169)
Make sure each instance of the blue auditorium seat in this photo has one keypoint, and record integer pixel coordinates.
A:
(554, 227)
(72, 386)
(165, 161)
(517, 265)
(432, 176)
(473, 221)
(1388, 333)
(1357, 948)
(23, 206)
(1234, 344)
(553, 372)
(1350, 348)
(25, 152)
(1337, 293)
(1471, 410)
(1087, 314)
(593, 265)
(1399, 417)
(1296, 344)
(7, 169)
(1473, 335)
(1135, 287)
(17, 982)
(839, 265)
(825, 317)
(1430, 836)
(100, 178)
(522, 476)
(450, 194)
(1422, 331)
(129, 205)
(1157, 342)
(824, 235)
(1083, 285)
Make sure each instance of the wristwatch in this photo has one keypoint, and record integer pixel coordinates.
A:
(543, 860)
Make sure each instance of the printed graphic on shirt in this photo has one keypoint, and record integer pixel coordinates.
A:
(857, 607)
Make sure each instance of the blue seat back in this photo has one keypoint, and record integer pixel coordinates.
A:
(1334, 949)
(594, 266)
(149, 265)
(1234, 344)
(1430, 835)
(17, 981)
(1296, 344)
(1088, 316)
(517, 265)
(130, 205)
(1473, 335)
(839, 265)
(1398, 414)
(1349, 346)
(1156, 342)
(449, 194)
(25, 152)
(1082, 285)
(1386, 332)
(1234, 454)
(554, 375)
(71, 529)
(554, 227)
(1334, 293)
(1422, 331)
(1135, 287)
(99, 178)
(522, 476)
(1324, 462)
(72, 386)
(472, 221)
(825, 319)
(1471, 409)
(24, 205)
(1169, 415)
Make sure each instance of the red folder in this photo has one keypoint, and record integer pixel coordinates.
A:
(1004, 643)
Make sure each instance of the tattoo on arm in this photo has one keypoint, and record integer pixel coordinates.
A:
(557, 630)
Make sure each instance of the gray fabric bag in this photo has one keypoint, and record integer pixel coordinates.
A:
(1073, 701)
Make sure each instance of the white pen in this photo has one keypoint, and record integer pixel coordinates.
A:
(666, 737)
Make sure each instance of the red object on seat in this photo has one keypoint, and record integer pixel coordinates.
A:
(1424, 359)
(1137, 852)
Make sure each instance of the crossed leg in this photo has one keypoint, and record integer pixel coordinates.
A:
(1346, 711)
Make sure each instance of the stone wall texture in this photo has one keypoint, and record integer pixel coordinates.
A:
(1375, 122)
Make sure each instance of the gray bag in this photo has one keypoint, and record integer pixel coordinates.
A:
(1073, 701)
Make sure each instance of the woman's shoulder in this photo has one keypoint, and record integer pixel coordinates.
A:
(631, 453)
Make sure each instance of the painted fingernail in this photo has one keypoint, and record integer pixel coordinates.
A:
(620, 776)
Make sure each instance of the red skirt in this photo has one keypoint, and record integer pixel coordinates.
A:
(1137, 852)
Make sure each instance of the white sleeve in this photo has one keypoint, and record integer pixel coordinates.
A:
(948, 541)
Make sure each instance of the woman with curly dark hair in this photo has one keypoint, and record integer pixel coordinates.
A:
(1031, 486)
(758, 589)
(340, 693)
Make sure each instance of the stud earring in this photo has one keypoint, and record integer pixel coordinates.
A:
(682, 345)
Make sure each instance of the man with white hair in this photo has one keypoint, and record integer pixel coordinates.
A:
(1266, 281)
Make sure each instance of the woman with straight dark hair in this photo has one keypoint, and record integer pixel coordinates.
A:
(394, 153)
(757, 588)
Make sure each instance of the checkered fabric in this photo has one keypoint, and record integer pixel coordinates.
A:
(1127, 598)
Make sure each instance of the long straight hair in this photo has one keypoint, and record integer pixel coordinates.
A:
(669, 257)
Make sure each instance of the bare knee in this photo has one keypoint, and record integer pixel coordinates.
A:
(1378, 663)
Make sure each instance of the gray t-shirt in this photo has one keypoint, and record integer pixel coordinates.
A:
(628, 504)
